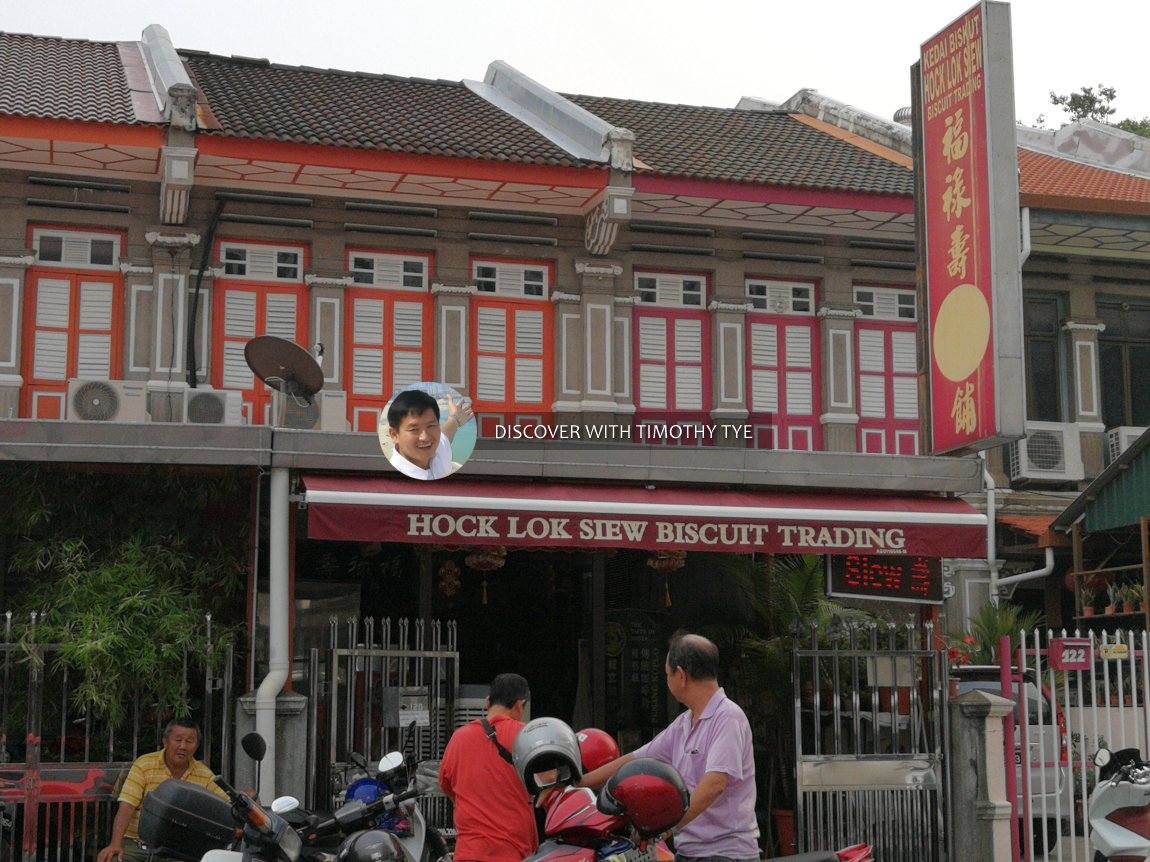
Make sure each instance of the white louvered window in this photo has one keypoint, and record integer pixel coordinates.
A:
(73, 341)
(76, 249)
(258, 262)
(511, 280)
(671, 291)
(887, 362)
(781, 381)
(389, 271)
(781, 297)
(671, 357)
(886, 303)
(511, 357)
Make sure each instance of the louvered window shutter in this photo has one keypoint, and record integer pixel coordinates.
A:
(491, 383)
(281, 315)
(50, 360)
(239, 328)
(653, 363)
(872, 373)
(407, 339)
(528, 357)
(688, 364)
(764, 368)
(367, 353)
(94, 347)
(905, 370)
(800, 383)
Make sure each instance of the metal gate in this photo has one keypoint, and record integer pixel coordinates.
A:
(382, 688)
(870, 732)
(1079, 692)
(61, 766)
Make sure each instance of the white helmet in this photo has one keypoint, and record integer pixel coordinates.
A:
(545, 744)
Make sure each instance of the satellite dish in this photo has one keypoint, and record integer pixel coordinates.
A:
(286, 367)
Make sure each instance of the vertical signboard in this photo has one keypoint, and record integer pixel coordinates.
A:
(968, 167)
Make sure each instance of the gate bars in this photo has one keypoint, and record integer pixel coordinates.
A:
(1102, 701)
(61, 765)
(870, 730)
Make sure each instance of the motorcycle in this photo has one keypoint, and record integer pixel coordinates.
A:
(1120, 806)
(627, 820)
(190, 823)
(384, 803)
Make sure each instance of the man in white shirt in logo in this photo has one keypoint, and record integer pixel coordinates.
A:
(422, 444)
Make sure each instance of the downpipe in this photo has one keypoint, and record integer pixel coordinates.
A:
(278, 614)
(991, 537)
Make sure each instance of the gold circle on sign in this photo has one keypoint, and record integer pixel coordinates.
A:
(961, 332)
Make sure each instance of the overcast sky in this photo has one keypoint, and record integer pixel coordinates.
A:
(708, 53)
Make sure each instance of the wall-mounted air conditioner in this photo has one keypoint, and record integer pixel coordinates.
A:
(1050, 452)
(1118, 439)
(327, 411)
(203, 406)
(107, 400)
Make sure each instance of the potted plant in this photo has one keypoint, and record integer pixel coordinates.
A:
(1138, 596)
(1113, 594)
(1087, 596)
(1129, 599)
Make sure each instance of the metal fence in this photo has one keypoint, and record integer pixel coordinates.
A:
(380, 688)
(1090, 691)
(870, 731)
(61, 765)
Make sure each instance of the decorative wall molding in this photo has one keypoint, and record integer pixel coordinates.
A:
(602, 270)
(453, 290)
(312, 279)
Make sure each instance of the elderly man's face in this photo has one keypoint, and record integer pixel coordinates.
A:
(180, 746)
(417, 438)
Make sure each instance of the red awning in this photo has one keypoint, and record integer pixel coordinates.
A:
(453, 512)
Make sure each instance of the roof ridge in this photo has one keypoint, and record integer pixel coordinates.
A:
(264, 62)
(67, 38)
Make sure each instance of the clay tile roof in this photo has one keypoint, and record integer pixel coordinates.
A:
(1051, 181)
(767, 147)
(63, 79)
(258, 99)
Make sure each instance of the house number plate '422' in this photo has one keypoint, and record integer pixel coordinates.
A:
(1070, 654)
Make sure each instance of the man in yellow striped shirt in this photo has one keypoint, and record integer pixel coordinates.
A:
(175, 760)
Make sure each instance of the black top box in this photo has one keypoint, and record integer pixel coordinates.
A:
(185, 821)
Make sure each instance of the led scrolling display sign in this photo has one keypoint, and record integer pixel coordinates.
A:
(885, 578)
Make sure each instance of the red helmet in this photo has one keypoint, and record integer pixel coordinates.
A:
(596, 747)
(649, 793)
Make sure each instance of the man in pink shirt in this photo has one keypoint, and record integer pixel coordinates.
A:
(710, 745)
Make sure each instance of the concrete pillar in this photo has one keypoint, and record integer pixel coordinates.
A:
(981, 811)
(291, 741)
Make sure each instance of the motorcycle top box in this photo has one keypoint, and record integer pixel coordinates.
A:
(185, 821)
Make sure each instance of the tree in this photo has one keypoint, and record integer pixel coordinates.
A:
(120, 570)
(1090, 105)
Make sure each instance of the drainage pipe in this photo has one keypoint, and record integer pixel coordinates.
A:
(278, 615)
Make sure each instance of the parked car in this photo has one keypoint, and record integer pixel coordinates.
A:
(1050, 782)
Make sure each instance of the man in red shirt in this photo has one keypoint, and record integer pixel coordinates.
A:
(494, 818)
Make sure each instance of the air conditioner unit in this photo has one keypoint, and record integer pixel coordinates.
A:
(1051, 452)
(327, 411)
(213, 407)
(107, 400)
(1118, 439)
